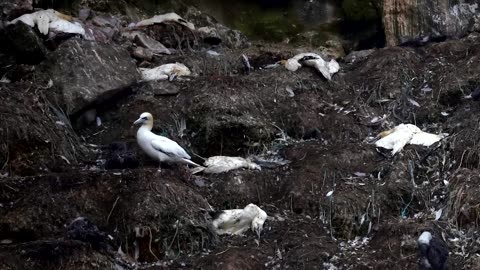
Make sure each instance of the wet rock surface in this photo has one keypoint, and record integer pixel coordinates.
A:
(84, 72)
(338, 203)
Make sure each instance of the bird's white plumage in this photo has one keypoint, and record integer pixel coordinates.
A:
(65, 26)
(159, 147)
(238, 221)
(404, 134)
(52, 20)
(220, 164)
(168, 17)
(326, 68)
(425, 238)
(163, 72)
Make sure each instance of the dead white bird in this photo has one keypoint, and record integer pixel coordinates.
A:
(433, 252)
(220, 164)
(164, 72)
(64, 26)
(313, 60)
(158, 147)
(238, 221)
(168, 17)
(403, 134)
(50, 19)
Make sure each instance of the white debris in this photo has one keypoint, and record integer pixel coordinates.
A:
(238, 221)
(168, 17)
(164, 72)
(313, 60)
(330, 193)
(290, 91)
(438, 214)
(221, 164)
(403, 134)
(4, 79)
(52, 20)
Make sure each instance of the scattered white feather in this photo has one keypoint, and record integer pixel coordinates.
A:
(326, 68)
(164, 72)
(403, 134)
(413, 102)
(438, 214)
(238, 221)
(52, 20)
(221, 164)
(330, 193)
(4, 79)
(168, 17)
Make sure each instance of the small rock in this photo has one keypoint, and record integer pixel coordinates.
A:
(142, 53)
(84, 14)
(145, 41)
(83, 230)
(356, 56)
(162, 88)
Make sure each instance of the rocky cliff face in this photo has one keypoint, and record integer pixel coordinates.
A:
(408, 20)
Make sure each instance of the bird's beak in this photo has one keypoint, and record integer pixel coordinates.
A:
(139, 121)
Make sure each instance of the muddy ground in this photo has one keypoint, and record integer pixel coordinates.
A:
(52, 173)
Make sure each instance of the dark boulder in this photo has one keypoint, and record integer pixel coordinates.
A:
(87, 73)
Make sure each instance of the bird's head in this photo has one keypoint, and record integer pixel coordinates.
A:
(145, 119)
(259, 217)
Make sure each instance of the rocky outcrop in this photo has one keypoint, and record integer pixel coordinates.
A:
(407, 20)
(86, 72)
(214, 33)
(24, 43)
(10, 9)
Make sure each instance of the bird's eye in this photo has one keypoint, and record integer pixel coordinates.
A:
(145, 118)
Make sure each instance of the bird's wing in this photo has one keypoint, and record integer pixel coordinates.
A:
(43, 21)
(425, 139)
(321, 66)
(395, 141)
(169, 148)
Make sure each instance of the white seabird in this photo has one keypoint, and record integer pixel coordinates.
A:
(168, 17)
(164, 72)
(221, 164)
(238, 221)
(50, 19)
(158, 147)
(433, 252)
(403, 134)
(313, 60)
